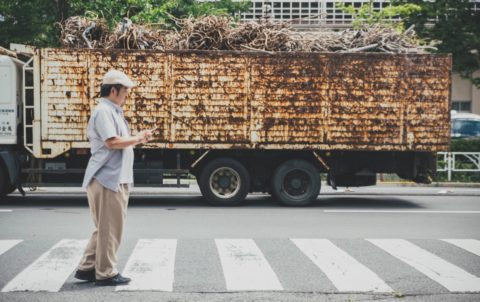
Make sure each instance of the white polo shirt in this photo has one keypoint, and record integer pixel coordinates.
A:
(110, 167)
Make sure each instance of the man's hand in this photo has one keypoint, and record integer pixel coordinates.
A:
(145, 136)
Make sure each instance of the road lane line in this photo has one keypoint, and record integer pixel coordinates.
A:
(49, 272)
(5, 245)
(402, 211)
(5, 211)
(346, 273)
(151, 265)
(471, 245)
(245, 267)
(446, 274)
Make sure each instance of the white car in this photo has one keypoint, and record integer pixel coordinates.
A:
(465, 124)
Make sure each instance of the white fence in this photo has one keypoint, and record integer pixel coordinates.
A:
(308, 13)
(458, 162)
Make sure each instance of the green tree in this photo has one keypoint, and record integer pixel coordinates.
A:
(33, 22)
(219, 7)
(156, 11)
(391, 15)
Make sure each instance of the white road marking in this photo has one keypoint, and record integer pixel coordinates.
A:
(471, 245)
(402, 211)
(346, 273)
(5, 211)
(49, 272)
(245, 267)
(444, 192)
(446, 274)
(5, 245)
(151, 265)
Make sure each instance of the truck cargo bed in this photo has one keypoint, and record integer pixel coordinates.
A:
(253, 100)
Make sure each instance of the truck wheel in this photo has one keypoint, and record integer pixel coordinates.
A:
(296, 183)
(224, 182)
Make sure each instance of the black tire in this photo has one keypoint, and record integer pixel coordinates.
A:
(296, 183)
(224, 182)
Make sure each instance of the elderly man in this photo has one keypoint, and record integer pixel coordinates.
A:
(108, 178)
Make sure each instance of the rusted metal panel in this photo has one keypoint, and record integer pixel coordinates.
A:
(209, 103)
(209, 99)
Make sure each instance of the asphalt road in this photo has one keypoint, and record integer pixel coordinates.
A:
(380, 243)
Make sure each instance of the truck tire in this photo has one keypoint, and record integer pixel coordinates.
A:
(224, 182)
(296, 183)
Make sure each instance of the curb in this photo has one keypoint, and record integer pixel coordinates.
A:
(432, 185)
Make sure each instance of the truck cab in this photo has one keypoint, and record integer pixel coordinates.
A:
(10, 99)
(10, 119)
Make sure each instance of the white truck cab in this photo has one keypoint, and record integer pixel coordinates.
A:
(10, 99)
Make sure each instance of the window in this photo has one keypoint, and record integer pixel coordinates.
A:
(465, 127)
(309, 13)
(462, 106)
(475, 5)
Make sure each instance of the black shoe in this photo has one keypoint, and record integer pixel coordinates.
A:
(113, 281)
(85, 275)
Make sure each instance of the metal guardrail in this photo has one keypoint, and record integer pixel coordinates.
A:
(458, 162)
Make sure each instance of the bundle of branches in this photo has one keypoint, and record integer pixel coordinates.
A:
(375, 38)
(207, 33)
(130, 36)
(81, 32)
(220, 33)
(263, 35)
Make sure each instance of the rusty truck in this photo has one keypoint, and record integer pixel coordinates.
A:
(238, 122)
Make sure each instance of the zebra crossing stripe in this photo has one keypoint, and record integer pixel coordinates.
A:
(49, 272)
(346, 273)
(471, 245)
(5, 245)
(151, 265)
(245, 267)
(446, 274)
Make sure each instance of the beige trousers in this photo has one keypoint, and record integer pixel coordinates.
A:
(108, 210)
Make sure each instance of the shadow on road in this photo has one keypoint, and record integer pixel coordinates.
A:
(253, 201)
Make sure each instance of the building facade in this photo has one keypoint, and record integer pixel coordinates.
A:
(313, 14)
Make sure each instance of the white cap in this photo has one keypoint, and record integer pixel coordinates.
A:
(117, 77)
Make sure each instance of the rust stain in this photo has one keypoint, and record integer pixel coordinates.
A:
(211, 99)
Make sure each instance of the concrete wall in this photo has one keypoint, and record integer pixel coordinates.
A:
(476, 95)
(464, 90)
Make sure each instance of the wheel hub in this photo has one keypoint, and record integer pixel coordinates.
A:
(296, 183)
(225, 182)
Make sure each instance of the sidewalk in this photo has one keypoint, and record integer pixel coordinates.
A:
(384, 188)
(434, 184)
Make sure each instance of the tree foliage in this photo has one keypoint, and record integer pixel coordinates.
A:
(392, 15)
(29, 22)
(33, 22)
